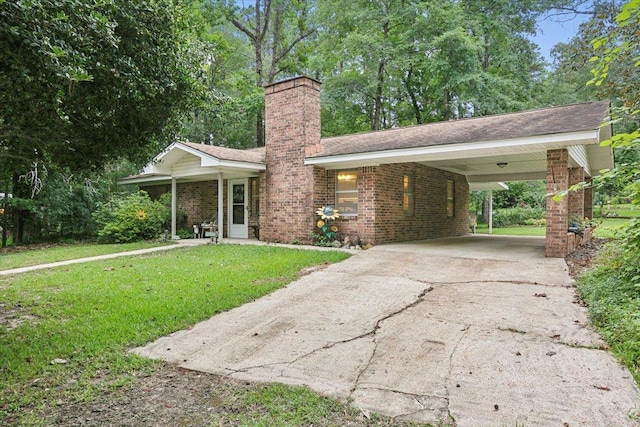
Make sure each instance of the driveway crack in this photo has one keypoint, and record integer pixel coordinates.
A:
(450, 373)
(509, 282)
(375, 329)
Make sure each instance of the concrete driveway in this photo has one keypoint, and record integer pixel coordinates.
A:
(473, 331)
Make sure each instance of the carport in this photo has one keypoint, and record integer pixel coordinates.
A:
(558, 144)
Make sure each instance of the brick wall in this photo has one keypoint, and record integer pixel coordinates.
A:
(557, 211)
(381, 218)
(292, 131)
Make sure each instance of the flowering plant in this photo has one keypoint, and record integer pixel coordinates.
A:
(328, 230)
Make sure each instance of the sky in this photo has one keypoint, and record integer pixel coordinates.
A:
(551, 32)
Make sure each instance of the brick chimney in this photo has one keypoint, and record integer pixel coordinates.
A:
(291, 190)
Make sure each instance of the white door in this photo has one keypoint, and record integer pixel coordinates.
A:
(238, 212)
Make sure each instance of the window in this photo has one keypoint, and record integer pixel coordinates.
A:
(451, 198)
(347, 192)
(407, 190)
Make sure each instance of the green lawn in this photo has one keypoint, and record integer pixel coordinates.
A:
(90, 314)
(16, 257)
(622, 210)
(605, 228)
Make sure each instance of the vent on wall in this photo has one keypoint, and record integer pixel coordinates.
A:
(368, 169)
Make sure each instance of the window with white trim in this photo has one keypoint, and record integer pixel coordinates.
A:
(407, 194)
(451, 198)
(347, 192)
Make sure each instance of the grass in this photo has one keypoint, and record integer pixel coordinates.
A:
(627, 210)
(54, 253)
(606, 228)
(89, 315)
(614, 307)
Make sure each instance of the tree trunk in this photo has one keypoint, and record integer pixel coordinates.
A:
(414, 101)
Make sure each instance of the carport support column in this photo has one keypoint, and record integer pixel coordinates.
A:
(557, 211)
(576, 198)
(174, 206)
(588, 198)
(490, 211)
(220, 207)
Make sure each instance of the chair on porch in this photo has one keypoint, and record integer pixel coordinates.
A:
(210, 228)
(473, 223)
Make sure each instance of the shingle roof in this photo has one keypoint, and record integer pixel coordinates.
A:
(546, 121)
(251, 155)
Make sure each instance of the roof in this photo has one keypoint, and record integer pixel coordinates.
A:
(546, 121)
(251, 155)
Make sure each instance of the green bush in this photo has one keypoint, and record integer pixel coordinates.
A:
(518, 216)
(136, 217)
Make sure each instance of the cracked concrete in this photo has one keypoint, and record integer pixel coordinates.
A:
(475, 331)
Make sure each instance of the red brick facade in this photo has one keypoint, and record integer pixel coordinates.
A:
(557, 211)
(292, 130)
(576, 198)
(381, 217)
(291, 191)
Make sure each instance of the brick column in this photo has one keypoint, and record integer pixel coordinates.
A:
(557, 211)
(588, 199)
(576, 198)
(292, 131)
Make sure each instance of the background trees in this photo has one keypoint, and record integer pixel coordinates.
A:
(86, 83)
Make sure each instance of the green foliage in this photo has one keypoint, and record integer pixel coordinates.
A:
(518, 216)
(617, 70)
(524, 194)
(614, 303)
(133, 218)
(86, 82)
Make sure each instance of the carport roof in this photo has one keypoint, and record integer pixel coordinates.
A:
(547, 121)
(490, 140)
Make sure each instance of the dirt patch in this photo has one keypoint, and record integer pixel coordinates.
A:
(173, 396)
(581, 258)
(11, 318)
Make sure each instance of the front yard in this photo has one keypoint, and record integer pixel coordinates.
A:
(65, 332)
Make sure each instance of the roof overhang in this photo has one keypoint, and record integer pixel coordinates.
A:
(493, 160)
(185, 163)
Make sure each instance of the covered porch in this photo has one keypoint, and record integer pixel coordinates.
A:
(210, 186)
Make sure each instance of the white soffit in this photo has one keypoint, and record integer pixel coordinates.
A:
(488, 186)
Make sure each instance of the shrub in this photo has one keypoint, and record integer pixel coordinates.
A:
(518, 216)
(136, 217)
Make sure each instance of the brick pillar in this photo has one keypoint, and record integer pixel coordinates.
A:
(576, 198)
(557, 211)
(588, 198)
(292, 131)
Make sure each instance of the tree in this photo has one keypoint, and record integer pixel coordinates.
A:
(86, 82)
(276, 30)
(617, 70)
(407, 62)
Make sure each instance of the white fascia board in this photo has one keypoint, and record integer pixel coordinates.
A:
(144, 179)
(463, 150)
(233, 164)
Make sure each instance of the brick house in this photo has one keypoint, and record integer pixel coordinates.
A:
(393, 185)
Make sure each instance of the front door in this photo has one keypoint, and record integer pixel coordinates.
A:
(238, 212)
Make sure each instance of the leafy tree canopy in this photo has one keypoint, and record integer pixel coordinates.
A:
(85, 82)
